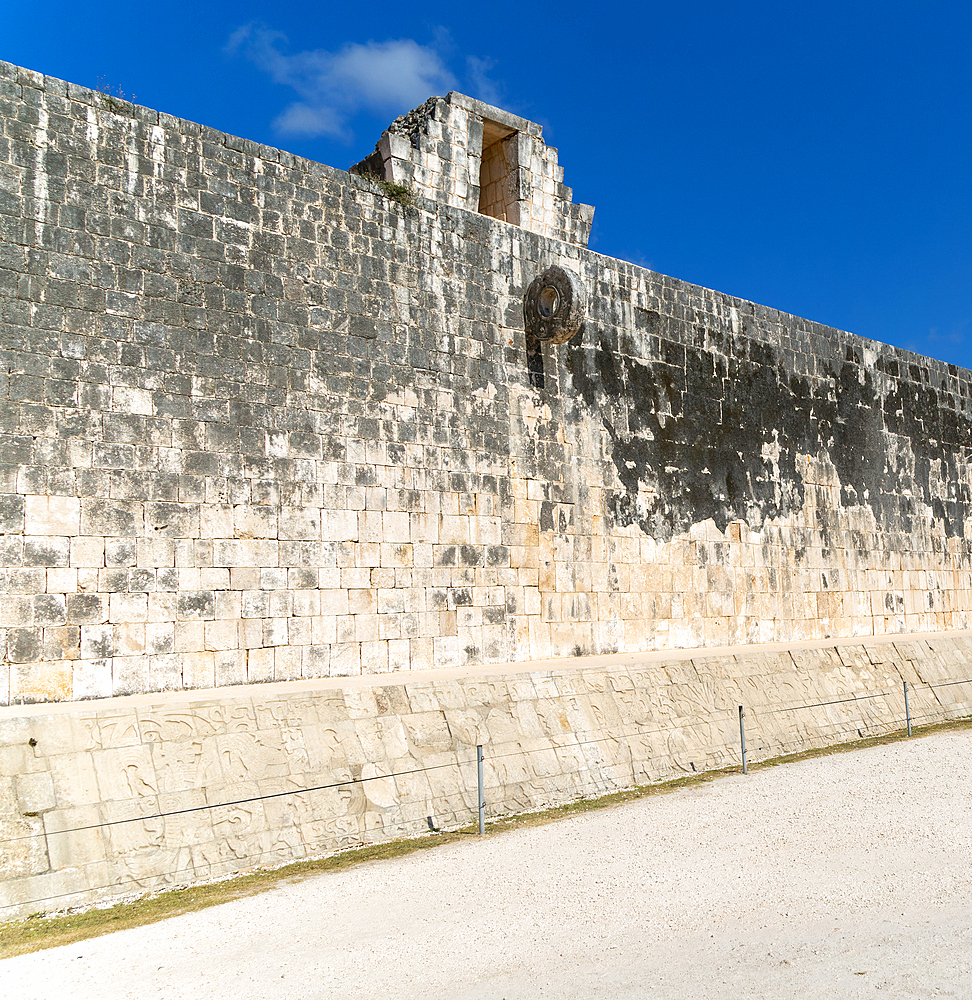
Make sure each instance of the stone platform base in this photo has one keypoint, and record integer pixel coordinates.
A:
(102, 799)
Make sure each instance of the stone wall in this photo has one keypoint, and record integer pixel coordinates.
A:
(262, 422)
(140, 793)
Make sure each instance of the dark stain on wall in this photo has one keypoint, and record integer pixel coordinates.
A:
(707, 435)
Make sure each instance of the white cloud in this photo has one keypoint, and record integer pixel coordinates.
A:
(302, 119)
(396, 73)
(384, 77)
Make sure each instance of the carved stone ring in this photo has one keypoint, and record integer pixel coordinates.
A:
(555, 305)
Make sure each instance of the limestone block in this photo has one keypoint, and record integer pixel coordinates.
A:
(128, 608)
(46, 550)
(345, 659)
(198, 669)
(339, 525)
(110, 518)
(35, 792)
(83, 609)
(230, 667)
(306, 603)
(165, 672)
(299, 523)
(244, 552)
(74, 839)
(129, 674)
(259, 665)
(287, 663)
(25, 850)
(221, 635)
(174, 520)
(37, 681)
(74, 780)
(52, 515)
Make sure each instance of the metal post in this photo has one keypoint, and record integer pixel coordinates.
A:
(482, 793)
(907, 709)
(742, 740)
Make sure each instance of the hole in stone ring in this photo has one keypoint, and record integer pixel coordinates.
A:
(548, 302)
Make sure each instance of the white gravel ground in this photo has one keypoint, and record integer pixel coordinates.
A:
(846, 876)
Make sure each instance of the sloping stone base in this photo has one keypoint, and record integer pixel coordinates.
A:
(128, 794)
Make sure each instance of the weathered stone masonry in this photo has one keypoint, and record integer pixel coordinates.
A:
(262, 422)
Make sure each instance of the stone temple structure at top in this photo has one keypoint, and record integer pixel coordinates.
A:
(470, 155)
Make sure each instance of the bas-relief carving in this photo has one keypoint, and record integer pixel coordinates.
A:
(284, 844)
(419, 791)
(365, 818)
(186, 829)
(605, 709)
(360, 702)
(580, 715)
(125, 772)
(329, 707)
(633, 706)
(367, 743)
(703, 697)
(286, 803)
(639, 730)
(177, 765)
(468, 727)
(486, 692)
(141, 837)
(544, 762)
(196, 724)
(552, 716)
(683, 749)
(296, 749)
(289, 714)
(324, 746)
(110, 731)
(527, 720)
(174, 727)
(379, 790)
(232, 851)
(152, 868)
(237, 829)
(338, 832)
(394, 740)
(501, 723)
(245, 756)
(545, 685)
(427, 731)
(393, 700)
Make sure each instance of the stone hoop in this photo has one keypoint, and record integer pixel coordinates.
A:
(555, 305)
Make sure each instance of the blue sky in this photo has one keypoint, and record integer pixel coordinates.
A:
(813, 157)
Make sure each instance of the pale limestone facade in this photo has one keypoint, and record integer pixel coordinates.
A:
(264, 423)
